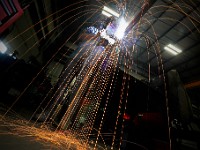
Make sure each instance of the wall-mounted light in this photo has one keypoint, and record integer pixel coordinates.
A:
(172, 49)
(3, 47)
(109, 12)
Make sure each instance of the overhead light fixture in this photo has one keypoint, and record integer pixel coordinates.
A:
(109, 11)
(3, 48)
(172, 49)
(106, 14)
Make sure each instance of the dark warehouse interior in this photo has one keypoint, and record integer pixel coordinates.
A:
(100, 74)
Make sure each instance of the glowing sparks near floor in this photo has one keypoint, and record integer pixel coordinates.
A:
(42, 134)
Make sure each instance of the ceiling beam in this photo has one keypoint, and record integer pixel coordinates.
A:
(164, 34)
(145, 7)
(192, 84)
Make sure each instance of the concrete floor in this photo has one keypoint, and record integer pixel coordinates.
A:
(16, 142)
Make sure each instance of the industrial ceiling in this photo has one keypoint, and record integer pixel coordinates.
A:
(46, 25)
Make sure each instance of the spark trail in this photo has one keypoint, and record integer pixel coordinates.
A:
(88, 81)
